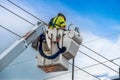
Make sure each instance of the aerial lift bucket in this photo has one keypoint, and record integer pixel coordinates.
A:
(69, 39)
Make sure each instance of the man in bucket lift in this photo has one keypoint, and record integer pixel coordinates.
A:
(58, 22)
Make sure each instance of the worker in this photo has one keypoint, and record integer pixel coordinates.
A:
(58, 22)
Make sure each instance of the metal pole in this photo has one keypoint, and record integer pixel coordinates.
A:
(119, 71)
(73, 68)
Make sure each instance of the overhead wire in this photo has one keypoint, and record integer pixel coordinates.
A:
(47, 24)
(27, 12)
(99, 61)
(10, 31)
(101, 37)
(32, 58)
(86, 72)
(30, 22)
(69, 71)
(99, 55)
(43, 21)
(82, 45)
(79, 69)
(89, 66)
(70, 63)
(17, 15)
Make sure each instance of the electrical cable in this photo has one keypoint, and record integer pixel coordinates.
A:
(85, 42)
(20, 36)
(99, 54)
(47, 24)
(85, 71)
(17, 15)
(79, 69)
(84, 67)
(29, 22)
(27, 12)
(98, 61)
(44, 22)
(10, 31)
(101, 37)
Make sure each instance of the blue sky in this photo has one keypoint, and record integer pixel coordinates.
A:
(95, 18)
(103, 13)
(102, 8)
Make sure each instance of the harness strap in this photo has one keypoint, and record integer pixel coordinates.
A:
(61, 50)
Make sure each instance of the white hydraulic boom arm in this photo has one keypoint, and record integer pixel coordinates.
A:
(20, 45)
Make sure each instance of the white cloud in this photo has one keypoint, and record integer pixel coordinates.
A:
(105, 47)
(13, 23)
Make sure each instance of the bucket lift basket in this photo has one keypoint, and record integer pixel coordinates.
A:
(71, 40)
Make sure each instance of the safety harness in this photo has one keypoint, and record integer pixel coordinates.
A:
(61, 50)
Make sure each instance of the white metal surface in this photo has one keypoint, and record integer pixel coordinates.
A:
(11, 53)
(19, 46)
(75, 36)
(58, 64)
(72, 41)
(72, 48)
